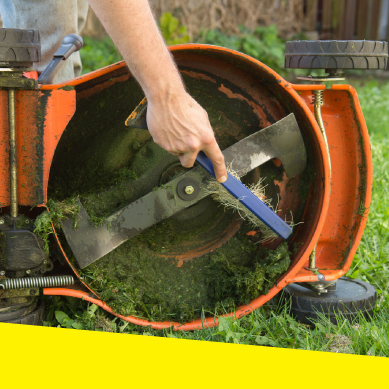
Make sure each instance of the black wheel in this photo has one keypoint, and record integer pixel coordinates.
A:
(350, 299)
(19, 48)
(34, 318)
(336, 54)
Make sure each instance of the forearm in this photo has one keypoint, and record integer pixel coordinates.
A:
(175, 120)
(131, 26)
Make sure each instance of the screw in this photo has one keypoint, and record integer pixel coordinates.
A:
(44, 262)
(28, 271)
(1, 221)
(30, 83)
(2, 273)
(189, 189)
(27, 221)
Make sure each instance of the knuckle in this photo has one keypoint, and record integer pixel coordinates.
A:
(208, 140)
(193, 146)
(219, 160)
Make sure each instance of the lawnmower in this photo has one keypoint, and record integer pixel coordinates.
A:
(148, 240)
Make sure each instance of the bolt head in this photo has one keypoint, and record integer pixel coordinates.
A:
(189, 189)
(1, 221)
(2, 273)
(28, 271)
(30, 83)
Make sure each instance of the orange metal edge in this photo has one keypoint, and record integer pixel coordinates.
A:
(289, 277)
(191, 326)
(369, 172)
(256, 303)
(85, 77)
(334, 274)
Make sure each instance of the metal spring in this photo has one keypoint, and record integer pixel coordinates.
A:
(317, 97)
(36, 282)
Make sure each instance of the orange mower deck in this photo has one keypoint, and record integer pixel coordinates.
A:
(336, 209)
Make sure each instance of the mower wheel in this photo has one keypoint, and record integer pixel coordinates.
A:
(19, 48)
(34, 318)
(336, 55)
(350, 299)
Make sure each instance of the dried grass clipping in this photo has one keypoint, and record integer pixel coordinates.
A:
(225, 198)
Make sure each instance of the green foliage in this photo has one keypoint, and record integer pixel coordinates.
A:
(98, 53)
(171, 30)
(263, 44)
(63, 312)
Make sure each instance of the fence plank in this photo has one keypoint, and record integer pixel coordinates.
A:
(374, 17)
(337, 19)
(349, 20)
(310, 18)
(362, 14)
(326, 16)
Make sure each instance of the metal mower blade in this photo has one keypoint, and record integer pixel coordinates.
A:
(281, 140)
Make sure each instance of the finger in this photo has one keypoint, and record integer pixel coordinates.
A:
(215, 155)
(187, 160)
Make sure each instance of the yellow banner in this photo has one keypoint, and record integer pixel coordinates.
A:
(60, 358)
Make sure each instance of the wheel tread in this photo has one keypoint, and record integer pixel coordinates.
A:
(19, 47)
(34, 318)
(336, 54)
(304, 306)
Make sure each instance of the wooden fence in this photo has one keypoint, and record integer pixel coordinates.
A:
(347, 19)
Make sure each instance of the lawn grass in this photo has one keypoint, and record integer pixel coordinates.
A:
(273, 326)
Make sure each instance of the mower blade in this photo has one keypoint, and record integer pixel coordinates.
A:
(89, 243)
(281, 140)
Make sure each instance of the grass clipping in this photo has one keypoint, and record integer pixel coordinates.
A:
(134, 281)
(225, 198)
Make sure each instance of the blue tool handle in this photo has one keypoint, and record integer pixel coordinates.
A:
(249, 200)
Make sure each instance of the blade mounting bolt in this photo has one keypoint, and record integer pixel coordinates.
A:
(189, 189)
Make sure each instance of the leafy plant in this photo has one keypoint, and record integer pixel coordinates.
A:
(263, 44)
(171, 30)
(98, 53)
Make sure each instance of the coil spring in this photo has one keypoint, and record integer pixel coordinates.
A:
(317, 97)
(36, 282)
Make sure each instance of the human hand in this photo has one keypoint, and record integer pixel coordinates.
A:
(181, 126)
